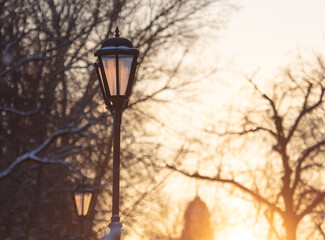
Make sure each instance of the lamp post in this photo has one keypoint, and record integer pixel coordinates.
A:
(115, 67)
(83, 194)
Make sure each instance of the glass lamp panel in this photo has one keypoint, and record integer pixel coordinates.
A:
(87, 200)
(124, 68)
(79, 200)
(101, 78)
(109, 63)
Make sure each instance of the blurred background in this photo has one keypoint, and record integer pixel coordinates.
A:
(223, 137)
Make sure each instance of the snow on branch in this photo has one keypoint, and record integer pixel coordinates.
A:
(44, 55)
(32, 155)
(19, 112)
(25, 60)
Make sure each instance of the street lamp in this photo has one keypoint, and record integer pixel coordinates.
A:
(115, 67)
(83, 194)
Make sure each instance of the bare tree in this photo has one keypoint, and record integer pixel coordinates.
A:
(286, 121)
(53, 127)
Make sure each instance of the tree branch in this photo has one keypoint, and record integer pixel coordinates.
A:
(319, 227)
(240, 133)
(19, 112)
(232, 182)
(305, 154)
(317, 200)
(33, 154)
(306, 109)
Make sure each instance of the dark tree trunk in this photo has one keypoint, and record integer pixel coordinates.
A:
(290, 225)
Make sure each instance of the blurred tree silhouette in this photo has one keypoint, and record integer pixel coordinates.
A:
(53, 127)
(162, 220)
(286, 123)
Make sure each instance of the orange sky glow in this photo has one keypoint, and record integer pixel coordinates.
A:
(265, 35)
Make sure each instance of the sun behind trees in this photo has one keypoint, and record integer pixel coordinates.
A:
(285, 122)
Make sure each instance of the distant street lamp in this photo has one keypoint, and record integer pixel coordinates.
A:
(83, 194)
(115, 67)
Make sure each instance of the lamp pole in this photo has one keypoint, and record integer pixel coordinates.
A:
(81, 227)
(115, 224)
(115, 68)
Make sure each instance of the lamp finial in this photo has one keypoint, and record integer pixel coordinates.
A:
(117, 32)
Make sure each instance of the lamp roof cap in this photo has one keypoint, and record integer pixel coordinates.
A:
(83, 187)
(117, 41)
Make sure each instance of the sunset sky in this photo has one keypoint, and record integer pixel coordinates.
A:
(227, 107)
(264, 35)
(269, 34)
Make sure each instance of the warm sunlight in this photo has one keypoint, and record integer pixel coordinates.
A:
(240, 234)
(222, 136)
